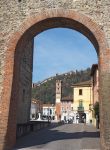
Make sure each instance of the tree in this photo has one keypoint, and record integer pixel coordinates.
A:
(46, 91)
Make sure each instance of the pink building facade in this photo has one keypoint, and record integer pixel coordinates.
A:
(95, 83)
(66, 108)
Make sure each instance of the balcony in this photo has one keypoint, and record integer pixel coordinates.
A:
(80, 108)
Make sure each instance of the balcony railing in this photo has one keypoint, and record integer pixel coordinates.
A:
(80, 108)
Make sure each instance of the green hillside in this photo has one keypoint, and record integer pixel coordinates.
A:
(46, 91)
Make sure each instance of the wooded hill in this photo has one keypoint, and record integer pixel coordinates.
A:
(45, 91)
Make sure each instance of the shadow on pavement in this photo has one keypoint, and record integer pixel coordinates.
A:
(51, 134)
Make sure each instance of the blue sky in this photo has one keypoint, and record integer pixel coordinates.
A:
(61, 50)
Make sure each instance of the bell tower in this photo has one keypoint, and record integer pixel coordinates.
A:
(58, 91)
(58, 98)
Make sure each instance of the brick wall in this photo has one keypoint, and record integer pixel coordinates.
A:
(25, 83)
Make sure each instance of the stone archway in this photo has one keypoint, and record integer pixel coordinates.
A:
(31, 27)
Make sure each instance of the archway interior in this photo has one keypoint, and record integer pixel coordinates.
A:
(57, 52)
(22, 80)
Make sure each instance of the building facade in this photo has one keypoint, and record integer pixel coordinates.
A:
(95, 83)
(64, 111)
(82, 95)
(67, 109)
(48, 111)
(36, 109)
(95, 91)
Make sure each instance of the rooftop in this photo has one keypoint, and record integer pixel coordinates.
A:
(48, 105)
(84, 84)
(67, 98)
(35, 101)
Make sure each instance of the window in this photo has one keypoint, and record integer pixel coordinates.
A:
(80, 103)
(62, 109)
(50, 112)
(33, 115)
(80, 91)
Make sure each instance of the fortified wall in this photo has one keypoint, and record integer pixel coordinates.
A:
(14, 12)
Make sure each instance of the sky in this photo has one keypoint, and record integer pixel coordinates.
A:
(60, 50)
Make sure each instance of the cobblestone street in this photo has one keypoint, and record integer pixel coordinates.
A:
(63, 137)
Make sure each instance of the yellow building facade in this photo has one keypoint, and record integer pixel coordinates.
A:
(82, 102)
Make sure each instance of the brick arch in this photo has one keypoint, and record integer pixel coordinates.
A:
(78, 21)
(28, 29)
